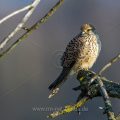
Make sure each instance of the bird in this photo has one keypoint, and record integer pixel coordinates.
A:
(80, 54)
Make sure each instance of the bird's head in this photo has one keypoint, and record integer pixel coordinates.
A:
(87, 29)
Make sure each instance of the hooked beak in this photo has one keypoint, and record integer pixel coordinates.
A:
(83, 32)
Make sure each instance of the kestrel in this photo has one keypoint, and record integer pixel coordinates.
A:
(80, 54)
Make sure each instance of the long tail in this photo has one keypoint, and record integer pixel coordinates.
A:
(61, 78)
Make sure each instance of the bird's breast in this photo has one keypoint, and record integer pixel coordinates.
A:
(88, 53)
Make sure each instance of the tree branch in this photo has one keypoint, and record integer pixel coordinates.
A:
(90, 92)
(20, 25)
(15, 13)
(108, 106)
(69, 108)
(113, 60)
(32, 28)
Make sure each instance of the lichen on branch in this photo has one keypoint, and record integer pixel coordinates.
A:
(90, 92)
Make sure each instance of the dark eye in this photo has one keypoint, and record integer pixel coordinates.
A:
(89, 30)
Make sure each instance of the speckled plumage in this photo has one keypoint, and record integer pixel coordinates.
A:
(81, 53)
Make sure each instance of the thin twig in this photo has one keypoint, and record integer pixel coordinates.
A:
(113, 60)
(15, 13)
(20, 25)
(34, 27)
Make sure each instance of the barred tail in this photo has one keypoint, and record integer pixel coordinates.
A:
(61, 79)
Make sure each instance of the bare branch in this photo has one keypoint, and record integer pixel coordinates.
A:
(90, 92)
(69, 108)
(115, 59)
(108, 106)
(104, 94)
(34, 27)
(20, 25)
(15, 13)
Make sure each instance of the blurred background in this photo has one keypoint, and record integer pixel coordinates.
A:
(28, 70)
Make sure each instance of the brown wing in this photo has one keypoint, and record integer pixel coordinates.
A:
(72, 51)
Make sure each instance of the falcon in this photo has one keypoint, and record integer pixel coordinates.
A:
(80, 54)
